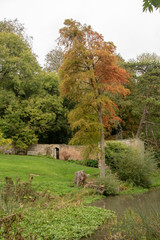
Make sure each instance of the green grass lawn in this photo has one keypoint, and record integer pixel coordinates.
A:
(54, 175)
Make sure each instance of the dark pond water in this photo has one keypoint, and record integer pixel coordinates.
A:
(145, 203)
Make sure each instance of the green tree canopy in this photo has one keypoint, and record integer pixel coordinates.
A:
(149, 5)
(146, 70)
(31, 108)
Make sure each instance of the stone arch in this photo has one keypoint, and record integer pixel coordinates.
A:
(56, 152)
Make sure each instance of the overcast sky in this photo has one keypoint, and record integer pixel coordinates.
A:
(119, 21)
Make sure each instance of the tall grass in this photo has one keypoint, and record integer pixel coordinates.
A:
(130, 165)
(136, 225)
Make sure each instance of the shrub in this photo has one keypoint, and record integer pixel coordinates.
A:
(113, 150)
(156, 154)
(111, 183)
(16, 193)
(130, 165)
(91, 163)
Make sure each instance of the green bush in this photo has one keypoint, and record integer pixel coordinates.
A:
(113, 150)
(156, 154)
(91, 163)
(111, 183)
(130, 165)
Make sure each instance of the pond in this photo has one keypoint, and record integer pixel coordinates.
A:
(145, 203)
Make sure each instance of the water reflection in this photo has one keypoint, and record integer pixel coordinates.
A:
(139, 203)
(120, 204)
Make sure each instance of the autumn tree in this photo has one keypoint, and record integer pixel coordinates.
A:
(90, 74)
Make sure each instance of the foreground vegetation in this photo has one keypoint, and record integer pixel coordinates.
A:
(36, 208)
(28, 211)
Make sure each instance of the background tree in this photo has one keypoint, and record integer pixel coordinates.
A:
(14, 26)
(49, 115)
(149, 5)
(89, 74)
(4, 141)
(54, 60)
(146, 97)
(128, 124)
(31, 108)
(18, 81)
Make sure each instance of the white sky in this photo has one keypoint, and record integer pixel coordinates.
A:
(119, 21)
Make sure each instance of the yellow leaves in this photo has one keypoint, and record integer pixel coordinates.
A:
(85, 122)
(4, 141)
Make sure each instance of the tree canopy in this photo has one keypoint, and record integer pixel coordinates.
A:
(146, 70)
(54, 60)
(93, 99)
(150, 5)
(90, 74)
(31, 108)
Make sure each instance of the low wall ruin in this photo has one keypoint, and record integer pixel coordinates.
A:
(58, 151)
(65, 152)
(135, 143)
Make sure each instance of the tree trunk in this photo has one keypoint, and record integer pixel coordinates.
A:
(155, 140)
(146, 130)
(142, 121)
(80, 178)
(102, 145)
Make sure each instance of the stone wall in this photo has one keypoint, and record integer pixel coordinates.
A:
(59, 151)
(65, 152)
(7, 149)
(135, 143)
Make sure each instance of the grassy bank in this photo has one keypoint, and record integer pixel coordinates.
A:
(54, 175)
(131, 189)
(49, 174)
(60, 213)
(57, 214)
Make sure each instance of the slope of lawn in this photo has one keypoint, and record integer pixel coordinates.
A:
(59, 217)
(54, 175)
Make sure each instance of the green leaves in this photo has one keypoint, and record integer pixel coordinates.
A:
(67, 223)
(4, 141)
(31, 107)
(19, 66)
(146, 95)
(149, 5)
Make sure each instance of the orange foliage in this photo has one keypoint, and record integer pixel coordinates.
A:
(90, 72)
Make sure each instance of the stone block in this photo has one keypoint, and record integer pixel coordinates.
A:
(32, 153)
